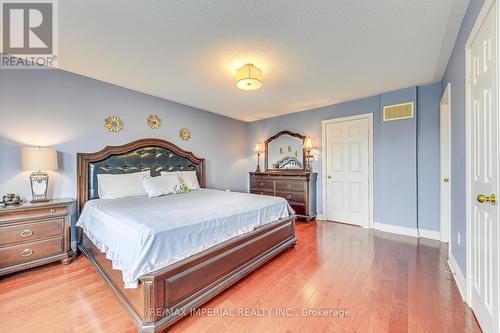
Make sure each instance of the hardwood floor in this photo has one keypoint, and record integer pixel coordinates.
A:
(386, 282)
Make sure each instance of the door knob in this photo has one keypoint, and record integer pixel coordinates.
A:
(481, 198)
(446, 180)
(329, 177)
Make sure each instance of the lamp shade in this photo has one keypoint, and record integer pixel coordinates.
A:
(249, 77)
(38, 159)
(258, 148)
(308, 143)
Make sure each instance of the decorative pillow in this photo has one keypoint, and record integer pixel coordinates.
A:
(121, 185)
(166, 183)
(190, 179)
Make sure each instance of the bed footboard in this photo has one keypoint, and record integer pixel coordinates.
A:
(167, 295)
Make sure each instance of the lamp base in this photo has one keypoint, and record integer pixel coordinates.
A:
(39, 200)
(39, 184)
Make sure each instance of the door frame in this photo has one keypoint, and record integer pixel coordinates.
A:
(324, 123)
(445, 224)
(468, 161)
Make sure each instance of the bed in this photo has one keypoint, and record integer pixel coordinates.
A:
(207, 239)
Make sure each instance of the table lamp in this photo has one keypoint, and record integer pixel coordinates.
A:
(39, 160)
(258, 149)
(308, 146)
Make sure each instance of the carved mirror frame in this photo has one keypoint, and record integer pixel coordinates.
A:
(274, 137)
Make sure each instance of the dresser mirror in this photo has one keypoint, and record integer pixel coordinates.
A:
(285, 151)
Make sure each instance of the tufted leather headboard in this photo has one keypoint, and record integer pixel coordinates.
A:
(155, 155)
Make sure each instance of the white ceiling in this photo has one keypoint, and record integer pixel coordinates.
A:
(312, 53)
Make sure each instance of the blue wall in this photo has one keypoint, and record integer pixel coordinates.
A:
(67, 111)
(428, 158)
(398, 163)
(395, 151)
(455, 75)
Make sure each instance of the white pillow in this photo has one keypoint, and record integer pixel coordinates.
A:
(189, 178)
(121, 185)
(164, 184)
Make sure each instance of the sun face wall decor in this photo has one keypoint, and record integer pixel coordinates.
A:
(154, 121)
(113, 124)
(185, 134)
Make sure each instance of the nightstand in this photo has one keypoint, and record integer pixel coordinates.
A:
(34, 234)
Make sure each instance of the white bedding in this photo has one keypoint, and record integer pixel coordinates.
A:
(140, 235)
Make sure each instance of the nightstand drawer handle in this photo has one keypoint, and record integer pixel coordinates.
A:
(289, 197)
(261, 184)
(27, 252)
(26, 233)
(52, 210)
(289, 186)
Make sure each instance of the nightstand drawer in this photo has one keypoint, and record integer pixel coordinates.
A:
(33, 213)
(29, 251)
(28, 232)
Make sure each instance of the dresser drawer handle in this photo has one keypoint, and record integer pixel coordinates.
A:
(27, 252)
(26, 233)
(289, 197)
(261, 184)
(289, 186)
(52, 210)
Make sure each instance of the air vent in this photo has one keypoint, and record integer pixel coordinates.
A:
(398, 111)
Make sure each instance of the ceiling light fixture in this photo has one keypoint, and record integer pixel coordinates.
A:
(249, 77)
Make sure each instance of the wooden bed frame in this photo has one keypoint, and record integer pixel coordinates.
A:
(168, 294)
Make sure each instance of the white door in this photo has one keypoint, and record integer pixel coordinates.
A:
(347, 171)
(484, 174)
(445, 165)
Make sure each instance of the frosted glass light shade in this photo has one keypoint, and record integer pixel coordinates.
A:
(308, 143)
(258, 148)
(249, 77)
(38, 159)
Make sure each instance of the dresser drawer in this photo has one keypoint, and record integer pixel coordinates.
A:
(290, 185)
(255, 191)
(293, 197)
(28, 232)
(29, 251)
(33, 213)
(299, 209)
(262, 184)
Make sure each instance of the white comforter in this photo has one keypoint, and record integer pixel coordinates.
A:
(140, 235)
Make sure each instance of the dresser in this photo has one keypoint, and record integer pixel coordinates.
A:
(297, 187)
(33, 234)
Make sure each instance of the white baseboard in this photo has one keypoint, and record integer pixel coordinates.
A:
(319, 216)
(412, 232)
(458, 276)
(395, 229)
(430, 234)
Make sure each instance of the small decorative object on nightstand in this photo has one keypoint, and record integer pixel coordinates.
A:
(11, 199)
(258, 149)
(33, 234)
(39, 160)
(308, 146)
